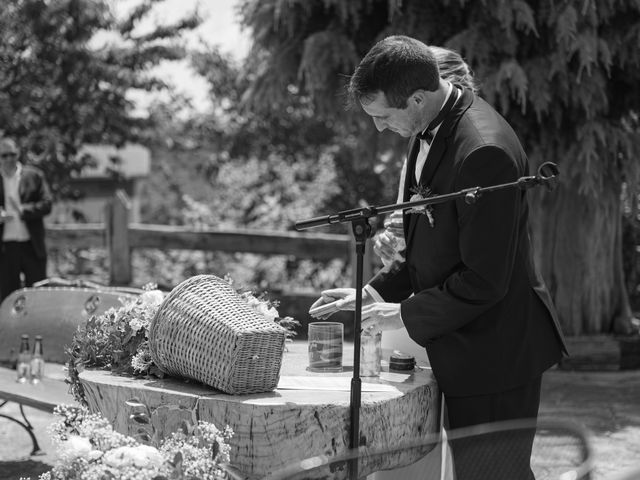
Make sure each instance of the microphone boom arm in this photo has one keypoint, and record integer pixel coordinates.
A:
(547, 175)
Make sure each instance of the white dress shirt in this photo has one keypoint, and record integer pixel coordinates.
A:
(15, 230)
(423, 153)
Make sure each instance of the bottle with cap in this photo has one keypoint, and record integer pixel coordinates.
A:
(24, 360)
(37, 361)
(401, 362)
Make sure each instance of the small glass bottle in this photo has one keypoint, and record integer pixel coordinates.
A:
(370, 354)
(37, 361)
(24, 360)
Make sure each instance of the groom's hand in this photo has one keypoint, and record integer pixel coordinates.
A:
(381, 316)
(336, 299)
(385, 245)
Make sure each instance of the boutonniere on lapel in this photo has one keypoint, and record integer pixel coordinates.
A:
(420, 193)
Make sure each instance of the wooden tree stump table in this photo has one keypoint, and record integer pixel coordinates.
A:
(307, 415)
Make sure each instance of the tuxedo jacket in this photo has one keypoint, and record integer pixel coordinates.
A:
(35, 199)
(479, 305)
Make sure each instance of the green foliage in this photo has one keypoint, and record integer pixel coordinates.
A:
(62, 86)
(572, 64)
(215, 191)
(88, 447)
(115, 340)
(564, 74)
(569, 65)
(240, 168)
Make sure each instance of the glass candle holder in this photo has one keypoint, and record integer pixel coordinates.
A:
(325, 346)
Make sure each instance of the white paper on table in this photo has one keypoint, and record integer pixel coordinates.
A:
(329, 383)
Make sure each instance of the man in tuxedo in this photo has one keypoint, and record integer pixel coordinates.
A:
(468, 289)
(24, 201)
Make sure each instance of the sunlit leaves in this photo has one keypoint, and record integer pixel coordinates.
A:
(566, 27)
(509, 82)
(59, 91)
(545, 65)
(321, 49)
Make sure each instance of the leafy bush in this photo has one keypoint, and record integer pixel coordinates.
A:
(88, 447)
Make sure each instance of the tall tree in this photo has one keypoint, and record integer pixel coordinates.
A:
(562, 73)
(60, 88)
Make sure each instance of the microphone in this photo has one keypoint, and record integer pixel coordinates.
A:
(548, 174)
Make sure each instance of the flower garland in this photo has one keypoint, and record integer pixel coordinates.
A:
(89, 448)
(118, 339)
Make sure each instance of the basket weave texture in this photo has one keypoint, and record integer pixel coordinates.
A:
(205, 331)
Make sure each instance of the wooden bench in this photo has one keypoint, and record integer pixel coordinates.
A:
(55, 313)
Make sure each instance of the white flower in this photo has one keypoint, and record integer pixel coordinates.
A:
(140, 362)
(136, 324)
(117, 456)
(152, 297)
(252, 301)
(74, 447)
(94, 455)
(141, 456)
(266, 311)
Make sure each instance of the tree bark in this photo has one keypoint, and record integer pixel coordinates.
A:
(273, 430)
(578, 242)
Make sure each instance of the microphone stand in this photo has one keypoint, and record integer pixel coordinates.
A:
(359, 217)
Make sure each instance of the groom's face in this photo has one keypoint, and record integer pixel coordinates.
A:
(403, 121)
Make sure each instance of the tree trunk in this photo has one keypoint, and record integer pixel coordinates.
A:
(578, 244)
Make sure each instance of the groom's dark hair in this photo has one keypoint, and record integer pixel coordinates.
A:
(396, 66)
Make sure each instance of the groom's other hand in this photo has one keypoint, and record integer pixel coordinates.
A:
(390, 245)
(334, 300)
(385, 245)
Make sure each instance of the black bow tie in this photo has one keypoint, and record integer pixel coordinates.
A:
(427, 133)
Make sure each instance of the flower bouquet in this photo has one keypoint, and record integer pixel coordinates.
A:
(88, 447)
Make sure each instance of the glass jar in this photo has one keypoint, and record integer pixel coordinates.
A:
(370, 354)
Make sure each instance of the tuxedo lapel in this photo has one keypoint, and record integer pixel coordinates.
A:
(439, 148)
(442, 141)
(410, 180)
(410, 174)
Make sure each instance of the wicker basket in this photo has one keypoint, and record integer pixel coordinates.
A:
(205, 331)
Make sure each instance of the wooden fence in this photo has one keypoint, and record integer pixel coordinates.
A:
(120, 237)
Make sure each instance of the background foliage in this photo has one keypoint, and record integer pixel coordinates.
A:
(563, 75)
(61, 85)
(278, 144)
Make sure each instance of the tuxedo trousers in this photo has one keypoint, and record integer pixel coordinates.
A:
(500, 454)
(19, 258)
